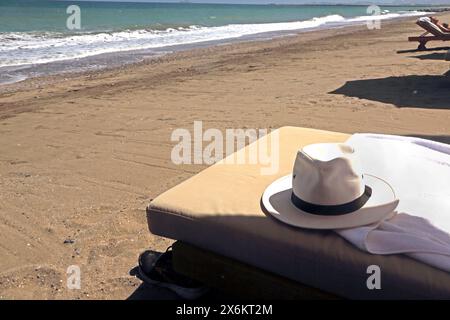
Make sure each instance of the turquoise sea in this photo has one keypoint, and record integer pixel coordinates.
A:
(35, 37)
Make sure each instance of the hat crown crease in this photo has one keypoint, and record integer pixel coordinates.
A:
(331, 180)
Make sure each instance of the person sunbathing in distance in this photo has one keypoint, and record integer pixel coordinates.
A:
(443, 26)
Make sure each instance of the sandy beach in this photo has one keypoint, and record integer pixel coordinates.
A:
(82, 155)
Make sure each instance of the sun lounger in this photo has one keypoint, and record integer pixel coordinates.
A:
(227, 241)
(430, 27)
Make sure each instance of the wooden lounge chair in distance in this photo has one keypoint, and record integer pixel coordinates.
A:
(430, 27)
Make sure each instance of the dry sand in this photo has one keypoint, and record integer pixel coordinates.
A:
(81, 156)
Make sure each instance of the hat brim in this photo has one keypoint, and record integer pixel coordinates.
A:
(276, 200)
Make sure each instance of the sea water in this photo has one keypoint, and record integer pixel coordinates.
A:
(36, 38)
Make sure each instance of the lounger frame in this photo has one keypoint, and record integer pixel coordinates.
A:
(238, 279)
(424, 38)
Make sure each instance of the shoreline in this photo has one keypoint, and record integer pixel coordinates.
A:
(82, 157)
(98, 62)
(197, 49)
(258, 39)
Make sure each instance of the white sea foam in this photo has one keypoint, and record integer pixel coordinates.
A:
(27, 48)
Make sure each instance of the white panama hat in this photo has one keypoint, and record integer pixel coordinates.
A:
(327, 190)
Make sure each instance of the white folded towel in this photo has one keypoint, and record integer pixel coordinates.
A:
(419, 172)
(424, 19)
